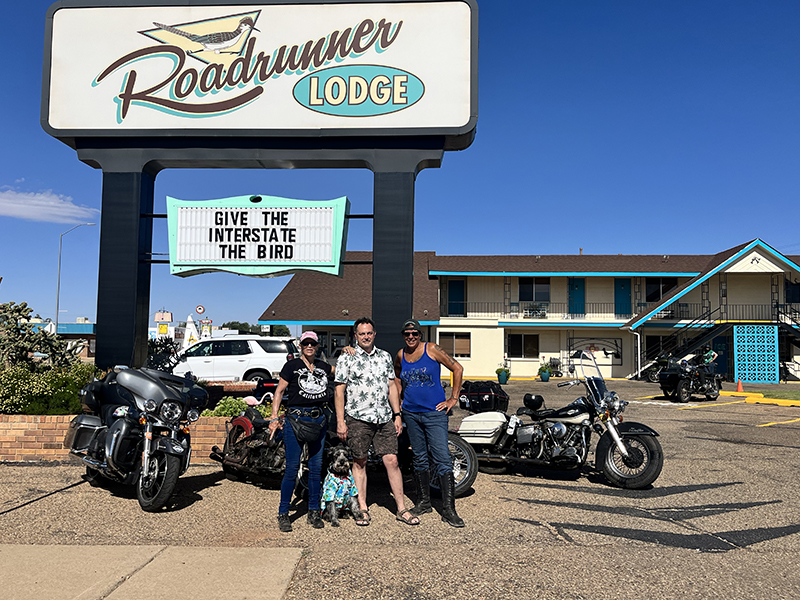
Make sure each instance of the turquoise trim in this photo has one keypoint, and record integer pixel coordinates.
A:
(561, 274)
(348, 322)
(559, 324)
(253, 266)
(755, 243)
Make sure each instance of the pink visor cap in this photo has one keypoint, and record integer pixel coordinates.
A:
(309, 335)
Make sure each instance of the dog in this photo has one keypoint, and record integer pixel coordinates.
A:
(339, 491)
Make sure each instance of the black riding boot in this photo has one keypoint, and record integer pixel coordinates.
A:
(422, 479)
(448, 486)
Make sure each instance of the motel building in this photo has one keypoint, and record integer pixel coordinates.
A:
(627, 309)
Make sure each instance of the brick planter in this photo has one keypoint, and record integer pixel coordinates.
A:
(34, 438)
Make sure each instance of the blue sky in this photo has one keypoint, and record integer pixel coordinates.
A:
(617, 127)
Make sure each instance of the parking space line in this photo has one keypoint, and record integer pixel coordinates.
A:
(778, 423)
(710, 405)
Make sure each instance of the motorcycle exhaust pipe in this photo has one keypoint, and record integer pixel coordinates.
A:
(528, 461)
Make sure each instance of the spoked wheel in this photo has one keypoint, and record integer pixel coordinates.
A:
(639, 469)
(683, 393)
(155, 490)
(235, 450)
(652, 376)
(465, 465)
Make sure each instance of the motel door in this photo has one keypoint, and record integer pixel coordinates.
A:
(622, 298)
(577, 296)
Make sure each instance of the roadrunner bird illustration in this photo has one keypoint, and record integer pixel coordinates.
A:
(214, 41)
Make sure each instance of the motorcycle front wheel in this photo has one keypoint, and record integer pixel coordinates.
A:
(236, 450)
(642, 466)
(465, 465)
(652, 376)
(155, 490)
(684, 392)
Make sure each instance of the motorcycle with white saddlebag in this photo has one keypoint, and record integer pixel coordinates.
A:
(135, 431)
(628, 454)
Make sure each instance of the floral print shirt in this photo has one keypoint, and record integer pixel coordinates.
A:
(338, 490)
(367, 378)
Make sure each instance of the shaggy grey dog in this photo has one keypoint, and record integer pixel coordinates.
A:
(339, 491)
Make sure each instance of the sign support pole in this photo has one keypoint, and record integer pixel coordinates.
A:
(392, 256)
(123, 287)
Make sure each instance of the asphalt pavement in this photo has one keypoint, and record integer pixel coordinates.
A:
(722, 521)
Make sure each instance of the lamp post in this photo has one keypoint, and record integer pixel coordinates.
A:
(58, 284)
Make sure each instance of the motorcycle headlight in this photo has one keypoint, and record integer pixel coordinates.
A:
(150, 405)
(170, 411)
(193, 415)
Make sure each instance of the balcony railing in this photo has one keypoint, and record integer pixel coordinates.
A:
(606, 311)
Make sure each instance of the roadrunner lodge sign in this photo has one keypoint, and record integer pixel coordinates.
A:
(276, 69)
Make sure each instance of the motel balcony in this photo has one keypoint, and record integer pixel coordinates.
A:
(610, 312)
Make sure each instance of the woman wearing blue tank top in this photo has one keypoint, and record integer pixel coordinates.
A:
(425, 409)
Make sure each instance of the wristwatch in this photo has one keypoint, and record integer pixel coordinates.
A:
(397, 414)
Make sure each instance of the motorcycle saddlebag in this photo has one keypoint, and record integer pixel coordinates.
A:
(81, 431)
(482, 396)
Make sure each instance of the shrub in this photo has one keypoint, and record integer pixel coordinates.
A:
(231, 407)
(47, 392)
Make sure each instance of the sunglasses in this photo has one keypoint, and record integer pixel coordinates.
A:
(411, 334)
(309, 343)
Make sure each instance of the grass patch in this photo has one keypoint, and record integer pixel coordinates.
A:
(783, 394)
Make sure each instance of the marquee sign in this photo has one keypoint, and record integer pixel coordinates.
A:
(266, 69)
(261, 236)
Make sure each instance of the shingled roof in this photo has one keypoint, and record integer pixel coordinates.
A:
(571, 263)
(311, 296)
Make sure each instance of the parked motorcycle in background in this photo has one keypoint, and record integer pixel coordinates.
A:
(137, 432)
(628, 454)
(681, 380)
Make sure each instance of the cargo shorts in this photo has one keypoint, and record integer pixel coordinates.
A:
(360, 434)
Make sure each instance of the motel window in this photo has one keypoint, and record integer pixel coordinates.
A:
(523, 345)
(658, 287)
(534, 289)
(457, 345)
(792, 292)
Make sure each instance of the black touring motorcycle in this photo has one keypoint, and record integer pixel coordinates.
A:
(249, 452)
(135, 431)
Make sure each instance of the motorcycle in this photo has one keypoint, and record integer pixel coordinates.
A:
(652, 372)
(628, 454)
(249, 451)
(135, 431)
(680, 380)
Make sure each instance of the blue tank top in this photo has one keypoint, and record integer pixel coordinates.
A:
(423, 388)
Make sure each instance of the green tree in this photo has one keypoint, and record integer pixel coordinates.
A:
(20, 339)
(247, 328)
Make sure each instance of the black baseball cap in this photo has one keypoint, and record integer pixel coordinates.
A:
(411, 325)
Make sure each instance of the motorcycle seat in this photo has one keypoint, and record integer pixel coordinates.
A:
(535, 414)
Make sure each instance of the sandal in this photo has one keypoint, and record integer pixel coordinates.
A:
(410, 520)
(364, 519)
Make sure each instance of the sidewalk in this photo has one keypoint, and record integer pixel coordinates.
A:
(134, 572)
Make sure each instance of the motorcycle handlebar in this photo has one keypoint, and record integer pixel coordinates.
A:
(565, 383)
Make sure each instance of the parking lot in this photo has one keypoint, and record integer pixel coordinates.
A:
(722, 521)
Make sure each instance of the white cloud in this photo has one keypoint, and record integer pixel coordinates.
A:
(44, 206)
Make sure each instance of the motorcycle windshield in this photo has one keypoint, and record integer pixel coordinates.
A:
(595, 384)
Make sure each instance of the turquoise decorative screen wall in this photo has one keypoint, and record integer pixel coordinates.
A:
(755, 349)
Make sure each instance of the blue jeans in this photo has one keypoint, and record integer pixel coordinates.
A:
(293, 451)
(427, 433)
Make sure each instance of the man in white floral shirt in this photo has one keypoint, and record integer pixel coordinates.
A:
(368, 412)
